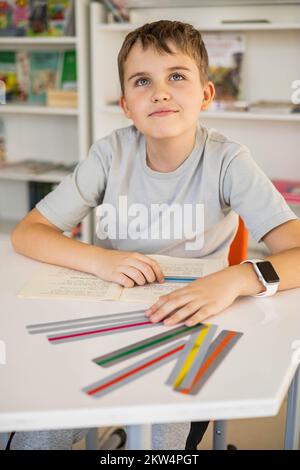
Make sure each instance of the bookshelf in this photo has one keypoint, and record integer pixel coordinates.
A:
(114, 109)
(46, 133)
(29, 109)
(271, 63)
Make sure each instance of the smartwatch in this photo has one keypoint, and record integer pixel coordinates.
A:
(266, 274)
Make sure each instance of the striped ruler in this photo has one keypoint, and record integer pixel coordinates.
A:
(135, 349)
(67, 337)
(216, 353)
(192, 355)
(135, 371)
(85, 321)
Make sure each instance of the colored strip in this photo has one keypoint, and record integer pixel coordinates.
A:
(137, 348)
(179, 279)
(134, 371)
(194, 353)
(80, 320)
(215, 355)
(85, 334)
(205, 332)
(200, 357)
(71, 327)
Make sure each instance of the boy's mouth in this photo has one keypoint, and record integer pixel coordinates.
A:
(163, 112)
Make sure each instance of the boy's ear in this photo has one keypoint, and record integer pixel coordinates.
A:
(123, 104)
(208, 95)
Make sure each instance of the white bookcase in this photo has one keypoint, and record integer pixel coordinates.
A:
(271, 64)
(46, 133)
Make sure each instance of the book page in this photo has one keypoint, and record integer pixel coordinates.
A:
(194, 267)
(57, 282)
(171, 266)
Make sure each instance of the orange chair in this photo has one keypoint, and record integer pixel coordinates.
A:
(239, 247)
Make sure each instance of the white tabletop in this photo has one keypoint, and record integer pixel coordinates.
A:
(41, 383)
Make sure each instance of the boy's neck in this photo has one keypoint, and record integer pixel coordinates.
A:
(165, 155)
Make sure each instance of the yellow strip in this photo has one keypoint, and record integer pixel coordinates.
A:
(190, 359)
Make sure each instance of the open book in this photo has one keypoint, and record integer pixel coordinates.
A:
(62, 283)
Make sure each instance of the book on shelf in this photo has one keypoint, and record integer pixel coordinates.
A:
(66, 96)
(43, 75)
(8, 74)
(62, 99)
(290, 189)
(61, 17)
(14, 17)
(67, 74)
(23, 75)
(14, 73)
(225, 52)
(28, 76)
(37, 18)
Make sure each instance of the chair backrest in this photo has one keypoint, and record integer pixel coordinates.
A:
(239, 247)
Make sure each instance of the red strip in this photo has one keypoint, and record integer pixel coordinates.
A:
(209, 361)
(85, 333)
(134, 371)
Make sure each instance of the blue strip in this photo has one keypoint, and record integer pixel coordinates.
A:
(180, 279)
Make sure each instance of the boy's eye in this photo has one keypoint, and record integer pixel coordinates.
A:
(177, 75)
(137, 83)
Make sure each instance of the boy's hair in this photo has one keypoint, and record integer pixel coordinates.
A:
(185, 37)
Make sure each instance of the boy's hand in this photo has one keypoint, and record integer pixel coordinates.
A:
(199, 300)
(127, 268)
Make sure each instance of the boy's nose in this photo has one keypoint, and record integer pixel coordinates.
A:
(160, 95)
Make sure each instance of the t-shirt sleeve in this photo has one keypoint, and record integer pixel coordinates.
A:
(78, 192)
(250, 193)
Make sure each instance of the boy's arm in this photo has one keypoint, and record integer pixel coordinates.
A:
(36, 237)
(212, 294)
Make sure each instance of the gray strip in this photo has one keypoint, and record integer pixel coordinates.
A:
(76, 320)
(105, 333)
(71, 327)
(182, 358)
(189, 377)
(166, 337)
(137, 374)
(218, 360)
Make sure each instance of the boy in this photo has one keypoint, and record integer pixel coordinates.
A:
(167, 157)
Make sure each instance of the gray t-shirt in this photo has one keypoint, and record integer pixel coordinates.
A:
(143, 210)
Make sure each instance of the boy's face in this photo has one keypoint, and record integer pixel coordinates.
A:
(164, 81)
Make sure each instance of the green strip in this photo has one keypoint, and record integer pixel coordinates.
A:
(144, 346)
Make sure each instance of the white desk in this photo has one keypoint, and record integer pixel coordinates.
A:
(41, 383)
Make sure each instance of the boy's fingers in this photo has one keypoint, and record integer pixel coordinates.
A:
(123, 280)
(133, 273)
(154, 265)
(145, 269)
(165, 307)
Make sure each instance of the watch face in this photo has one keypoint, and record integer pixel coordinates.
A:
(267, 271)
